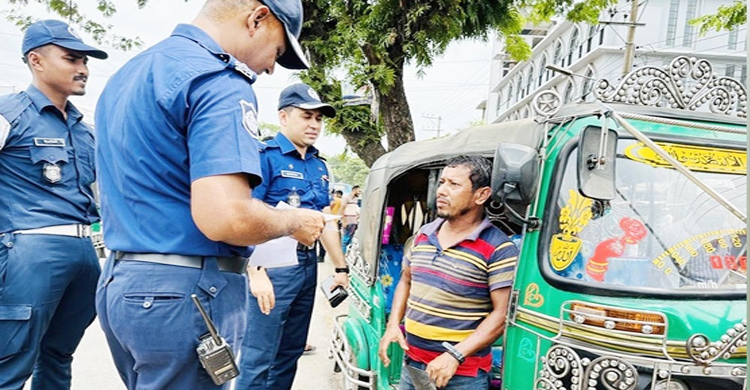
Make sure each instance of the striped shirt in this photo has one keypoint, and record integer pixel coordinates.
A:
(450, 290)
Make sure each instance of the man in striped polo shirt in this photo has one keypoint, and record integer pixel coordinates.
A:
(454, 285)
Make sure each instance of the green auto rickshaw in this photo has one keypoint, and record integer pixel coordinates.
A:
(630, 216)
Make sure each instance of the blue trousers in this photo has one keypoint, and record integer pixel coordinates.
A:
(273, 343)
(47, 286)
(152, 325)
(458, 382)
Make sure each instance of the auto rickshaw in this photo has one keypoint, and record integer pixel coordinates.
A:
(629, 213)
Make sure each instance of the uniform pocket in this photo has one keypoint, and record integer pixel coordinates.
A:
(50, 154)
(15, 326)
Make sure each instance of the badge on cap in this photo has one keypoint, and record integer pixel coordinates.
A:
(52, 173)
(250, 119)
(313, 94)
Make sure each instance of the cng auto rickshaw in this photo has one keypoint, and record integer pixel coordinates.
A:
(629, 214)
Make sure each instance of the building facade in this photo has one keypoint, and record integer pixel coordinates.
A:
(598, 52)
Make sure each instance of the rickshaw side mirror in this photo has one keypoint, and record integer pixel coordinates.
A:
(515, 173)
(597, 154)
(432, 185)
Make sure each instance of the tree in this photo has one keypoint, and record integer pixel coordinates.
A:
(348, 169)
(727, 17)
(374, 40)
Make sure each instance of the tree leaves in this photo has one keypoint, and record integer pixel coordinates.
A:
(727, 17)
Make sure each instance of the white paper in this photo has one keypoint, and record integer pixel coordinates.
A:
(279, 252)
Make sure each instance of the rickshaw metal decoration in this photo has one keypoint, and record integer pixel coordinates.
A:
(667, 87)
(703, 351)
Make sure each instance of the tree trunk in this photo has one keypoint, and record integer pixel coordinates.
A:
(366, 148)
(395, 114)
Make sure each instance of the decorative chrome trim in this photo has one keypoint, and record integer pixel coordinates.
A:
(703, 351)
(357, 264)
(547, 103)
(677, 122)
(664, 87)
(341, 352)
(360, 304)
(513, 305)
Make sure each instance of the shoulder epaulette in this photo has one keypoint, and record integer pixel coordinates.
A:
(245, 71)
(11, 106)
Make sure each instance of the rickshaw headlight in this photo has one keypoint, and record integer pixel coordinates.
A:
(618, 319)
(674, 384)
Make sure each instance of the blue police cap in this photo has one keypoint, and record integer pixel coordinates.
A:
(55, 32)
(289, 13)
(303, 96)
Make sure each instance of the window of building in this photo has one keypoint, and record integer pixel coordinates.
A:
(510, 95)
(692, 12)
(568, 94)
(525, 112)
(674, 10)
(519, 88)
(743, 75)
(557, 57)
(732, 44)
(729, 70)
(572, 45)
(588, 84)
(590, 39)
(542, 71)
(530, 79)
(499, 104)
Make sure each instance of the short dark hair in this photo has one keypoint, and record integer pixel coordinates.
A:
(355, 187)
(338, 192)
(480, 167)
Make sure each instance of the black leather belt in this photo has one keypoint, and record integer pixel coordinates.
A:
(234, 264)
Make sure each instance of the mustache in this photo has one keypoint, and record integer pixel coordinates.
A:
(80, 77)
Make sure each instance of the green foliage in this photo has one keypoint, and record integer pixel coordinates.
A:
(348, 169)
(727, 17)
(268, 129)
(68, 10)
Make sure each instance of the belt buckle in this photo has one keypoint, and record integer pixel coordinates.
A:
(83, 230)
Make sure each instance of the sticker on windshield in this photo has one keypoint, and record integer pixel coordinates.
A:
(696, 158)
(573, 218)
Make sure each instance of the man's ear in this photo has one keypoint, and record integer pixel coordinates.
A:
(482, 194)
(283, 117)
(33, 60)
(258, 16)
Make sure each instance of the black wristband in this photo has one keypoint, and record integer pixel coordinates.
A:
(454, 352)
(344, 270)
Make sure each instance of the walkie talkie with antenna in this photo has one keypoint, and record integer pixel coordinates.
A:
(214, 353)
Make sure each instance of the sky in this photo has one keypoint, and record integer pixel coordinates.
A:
(451, 89)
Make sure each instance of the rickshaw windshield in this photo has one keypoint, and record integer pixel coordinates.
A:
(661, 231)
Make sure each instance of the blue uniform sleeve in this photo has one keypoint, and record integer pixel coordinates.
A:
(222, 113)
(260, 191)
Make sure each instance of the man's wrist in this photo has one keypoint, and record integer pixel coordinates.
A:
(451, 350)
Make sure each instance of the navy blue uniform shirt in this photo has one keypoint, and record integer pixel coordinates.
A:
(180, 111)
(46, 164)
(286, 173)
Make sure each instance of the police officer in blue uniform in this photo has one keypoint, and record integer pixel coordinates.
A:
(177, 158)
(279, 317)
(48, 266)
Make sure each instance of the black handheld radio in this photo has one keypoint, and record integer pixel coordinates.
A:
(214, 353)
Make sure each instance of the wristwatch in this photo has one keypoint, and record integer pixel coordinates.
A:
(454, 352)
(344, 270)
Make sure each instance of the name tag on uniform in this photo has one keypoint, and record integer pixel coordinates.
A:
(49, 142)
(292, 174)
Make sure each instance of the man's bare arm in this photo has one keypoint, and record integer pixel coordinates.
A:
(223, 209)
(491, 327)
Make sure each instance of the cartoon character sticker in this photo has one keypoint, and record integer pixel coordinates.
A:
(633, 232)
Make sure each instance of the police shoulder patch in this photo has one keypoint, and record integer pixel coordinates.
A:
(250, 118)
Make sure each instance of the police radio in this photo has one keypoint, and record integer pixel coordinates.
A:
(214, 353)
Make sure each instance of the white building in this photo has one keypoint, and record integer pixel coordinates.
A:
(598, 51)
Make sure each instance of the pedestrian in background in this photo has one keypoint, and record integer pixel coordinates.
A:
(176, 131)
(48, 265)
(350, 211)
(280, 310)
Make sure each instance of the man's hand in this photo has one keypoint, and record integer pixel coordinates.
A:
(442, 368)
(340, 279)
(392, 334)
(262, 289)
(309, 225)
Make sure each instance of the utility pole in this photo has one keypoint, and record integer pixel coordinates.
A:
(432, 119)
(630, 44)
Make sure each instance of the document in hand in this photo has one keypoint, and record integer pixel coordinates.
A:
(420, 379)
(279, 252)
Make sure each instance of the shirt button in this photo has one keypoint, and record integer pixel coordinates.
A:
(9, 245)
(146, 304)
(212, 290)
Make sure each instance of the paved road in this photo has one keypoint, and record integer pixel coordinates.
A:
(93, 368)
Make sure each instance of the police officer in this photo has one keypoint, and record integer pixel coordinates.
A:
(48, 266)
(176, 128)
(293, 172)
